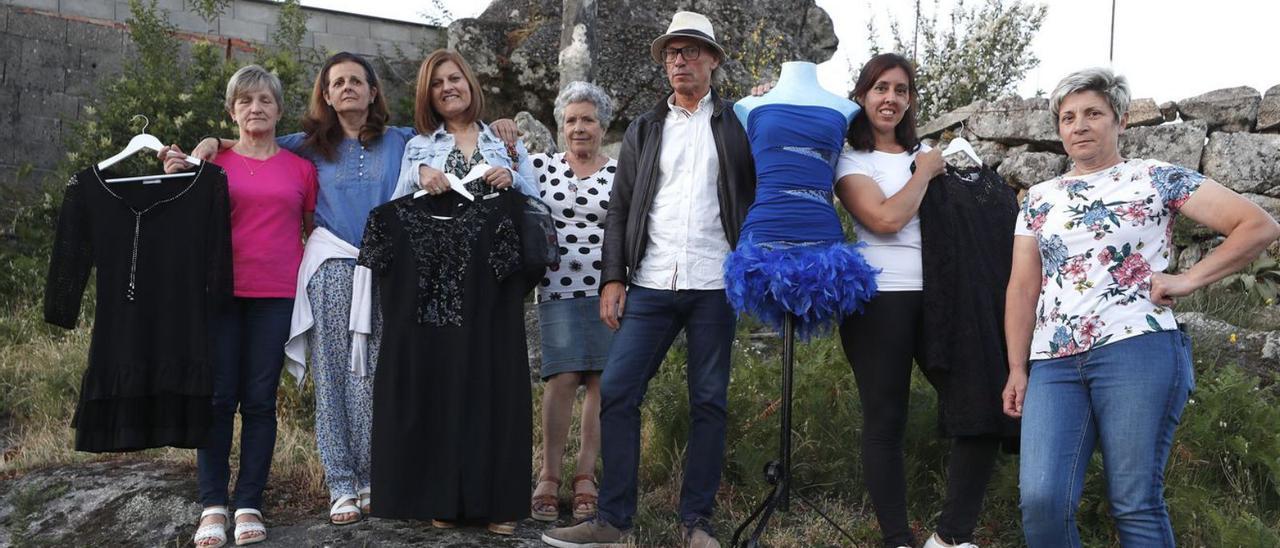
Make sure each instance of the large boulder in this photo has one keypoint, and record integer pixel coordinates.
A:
(1144, 112)
(514, 48)
(1267, 203)
(1269, 110)
(1015, 121)
(1230, 109)
(1179, 144)
(1244, 162)
(1257, 352)
(1024, 169)
(537, 138)
(152, 503)
(934, 128)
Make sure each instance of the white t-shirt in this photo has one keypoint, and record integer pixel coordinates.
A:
(897, 254)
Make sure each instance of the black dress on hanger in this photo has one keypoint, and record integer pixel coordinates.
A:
(966, 228)
(452, 415)
(162, 252)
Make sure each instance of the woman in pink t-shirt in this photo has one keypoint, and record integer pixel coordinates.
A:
(273, 198)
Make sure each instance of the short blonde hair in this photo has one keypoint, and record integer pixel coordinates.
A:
(1102, 80)
(250, 78)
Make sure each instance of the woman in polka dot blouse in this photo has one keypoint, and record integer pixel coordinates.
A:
(575, 343)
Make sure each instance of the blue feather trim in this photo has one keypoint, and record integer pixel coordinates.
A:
(819, 283)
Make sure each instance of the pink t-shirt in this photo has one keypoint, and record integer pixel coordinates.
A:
(268, 200)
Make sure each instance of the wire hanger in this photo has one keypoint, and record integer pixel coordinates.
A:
(142, 141)
(960, 144)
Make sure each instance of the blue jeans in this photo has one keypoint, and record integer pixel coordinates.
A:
(248, 353)
(1127, 397)
(650, 322)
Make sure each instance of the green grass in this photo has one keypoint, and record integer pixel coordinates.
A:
(1223, 478)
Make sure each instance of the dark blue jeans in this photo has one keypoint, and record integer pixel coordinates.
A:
(1124, 398)
(650, 322)
(248, 353)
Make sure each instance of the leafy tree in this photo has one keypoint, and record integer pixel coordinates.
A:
(980, 52)
(179, 92)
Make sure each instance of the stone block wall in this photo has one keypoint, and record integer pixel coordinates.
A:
(53, 53)
(1231, 135)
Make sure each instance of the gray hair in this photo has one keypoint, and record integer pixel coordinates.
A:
(250, 78)
(1102, 80)
(585, 92)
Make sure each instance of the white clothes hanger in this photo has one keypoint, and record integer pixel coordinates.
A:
(142, 141)
(460, 185)
(961, 145)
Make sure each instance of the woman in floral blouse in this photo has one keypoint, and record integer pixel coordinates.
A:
(1090, 308)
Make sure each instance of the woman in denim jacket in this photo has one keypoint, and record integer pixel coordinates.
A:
(451, 138)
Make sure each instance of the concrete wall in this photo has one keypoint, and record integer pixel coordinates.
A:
(53, 52)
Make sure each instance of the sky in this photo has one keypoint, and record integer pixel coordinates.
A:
(1168, 49)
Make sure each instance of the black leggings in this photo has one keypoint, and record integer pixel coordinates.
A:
(880, 345)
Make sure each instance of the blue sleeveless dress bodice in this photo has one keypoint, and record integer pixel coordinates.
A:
(792, 256)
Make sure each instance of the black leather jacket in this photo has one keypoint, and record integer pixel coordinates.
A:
(626, 227)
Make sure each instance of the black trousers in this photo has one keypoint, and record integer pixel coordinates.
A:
(881, 344)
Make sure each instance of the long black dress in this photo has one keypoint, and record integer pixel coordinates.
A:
(451, 405)
(163, 257)
(966, 229)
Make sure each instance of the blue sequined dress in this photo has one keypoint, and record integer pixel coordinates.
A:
(792, 256)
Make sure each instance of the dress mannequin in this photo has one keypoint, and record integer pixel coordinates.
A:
(797, 85)
(792, 257)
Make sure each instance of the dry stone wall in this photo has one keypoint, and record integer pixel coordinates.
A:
(1231, 135)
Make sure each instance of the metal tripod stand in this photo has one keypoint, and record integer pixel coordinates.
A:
(778, 472)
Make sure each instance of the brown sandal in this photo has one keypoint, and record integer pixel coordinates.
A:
(584, 504)
(505, 528)
(546, 507)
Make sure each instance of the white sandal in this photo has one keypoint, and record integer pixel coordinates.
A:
(346, 504)
(250, 527)
(217, 531)
(366, 500)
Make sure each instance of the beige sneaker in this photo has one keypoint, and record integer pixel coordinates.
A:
(593, 533)
(698, 538)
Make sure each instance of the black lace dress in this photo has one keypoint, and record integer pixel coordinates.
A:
(452, 412)
(163, 257)
(966, 227)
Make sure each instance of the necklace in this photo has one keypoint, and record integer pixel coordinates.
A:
(252, 171)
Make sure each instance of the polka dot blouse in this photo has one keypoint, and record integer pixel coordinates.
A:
(578, 206)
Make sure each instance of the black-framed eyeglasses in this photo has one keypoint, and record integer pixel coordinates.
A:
(689, 52)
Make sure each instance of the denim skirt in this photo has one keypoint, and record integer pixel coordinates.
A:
(573, 337)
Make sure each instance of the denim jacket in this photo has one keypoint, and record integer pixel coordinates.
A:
(432, 150)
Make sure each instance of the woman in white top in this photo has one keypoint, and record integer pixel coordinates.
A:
(877, 185)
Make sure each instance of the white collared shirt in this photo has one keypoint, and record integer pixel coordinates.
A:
(687, 244)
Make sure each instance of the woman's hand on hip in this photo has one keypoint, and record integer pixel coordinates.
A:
(1167, 288)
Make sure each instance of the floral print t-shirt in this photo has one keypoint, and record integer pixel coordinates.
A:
(1101, 236)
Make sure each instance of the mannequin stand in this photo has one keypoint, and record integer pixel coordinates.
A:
(778, 472)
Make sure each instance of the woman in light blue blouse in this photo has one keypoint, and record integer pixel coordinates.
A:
(452, 138)
(358, 158)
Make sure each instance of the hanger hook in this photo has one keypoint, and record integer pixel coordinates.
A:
(145, 121)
